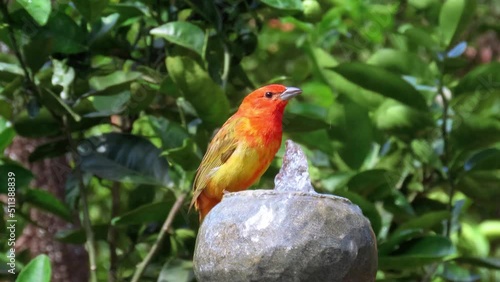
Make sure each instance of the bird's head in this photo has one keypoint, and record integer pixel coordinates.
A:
(270, 99)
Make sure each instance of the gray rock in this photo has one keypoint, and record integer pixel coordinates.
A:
(285, 234)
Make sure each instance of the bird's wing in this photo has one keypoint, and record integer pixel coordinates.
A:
(219, 151)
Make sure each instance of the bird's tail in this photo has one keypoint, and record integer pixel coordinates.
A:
(204, 204)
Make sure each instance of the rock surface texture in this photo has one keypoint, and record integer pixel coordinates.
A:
(290, 233)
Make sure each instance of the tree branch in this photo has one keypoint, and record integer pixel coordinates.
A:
(83, 196)
(166, 226)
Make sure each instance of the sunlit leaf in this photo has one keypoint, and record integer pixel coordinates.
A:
(184, 34)
(383, 82)
(38, 269)
(399, 62)
(199, 89)
(284, 4)
(454, 17)
(397, 118)
(38, 9)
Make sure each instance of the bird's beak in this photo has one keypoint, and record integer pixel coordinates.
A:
(290, 92)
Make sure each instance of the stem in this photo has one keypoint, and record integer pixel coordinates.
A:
(113, 233)
(13, 41)
(83, 196)
(166, 226)
(31, 84)
(446, 157)
(181, 114)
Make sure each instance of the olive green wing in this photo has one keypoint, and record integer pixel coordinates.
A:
(219, 151)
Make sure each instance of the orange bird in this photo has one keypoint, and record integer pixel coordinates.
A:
(243, 148)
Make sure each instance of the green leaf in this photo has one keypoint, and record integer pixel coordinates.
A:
(77, 236)
(172, 134)
(381, 81)
(399, 119)
(49, 150)
(487, 159)
(38, 9)
(399, 62)
(284, 4)
(454, 17)
(425, 221)
(417, 253)
(38, 269)
(396, 239)
(481, 185)
(344, 115)
(5, 108)
(7, 133)
(185, 155)
(63, 104)
(22, 176)
(475, 132)
(62, 34)
(114, 83)
(490, 229)
(484, 79)
(491, 263)
(317, 139)
(155, 212)
(376, 183)
(124, 157)
(91, 9)
(455, 272)
(109, 104)
(48, 202)
(419, 37)
(177, 270)
(368, 99)
(425, 153)
(302, 123)
(9, 71)
(184, 34)
(200, 90)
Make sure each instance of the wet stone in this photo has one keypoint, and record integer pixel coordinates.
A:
(290, 233)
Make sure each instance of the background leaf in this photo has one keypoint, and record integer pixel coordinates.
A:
(284, 5)
(124, 157)
(38, 269)
(454, 17)
(199, 89)
(383, 82)
(39, 10)
(46, 201)
(184, 34)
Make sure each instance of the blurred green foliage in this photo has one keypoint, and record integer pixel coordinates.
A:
(393, 116)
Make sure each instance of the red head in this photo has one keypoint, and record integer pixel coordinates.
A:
(268, 100)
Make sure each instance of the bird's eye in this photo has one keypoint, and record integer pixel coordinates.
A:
(269, 95)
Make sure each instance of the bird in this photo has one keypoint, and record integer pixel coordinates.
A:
(243, 148)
